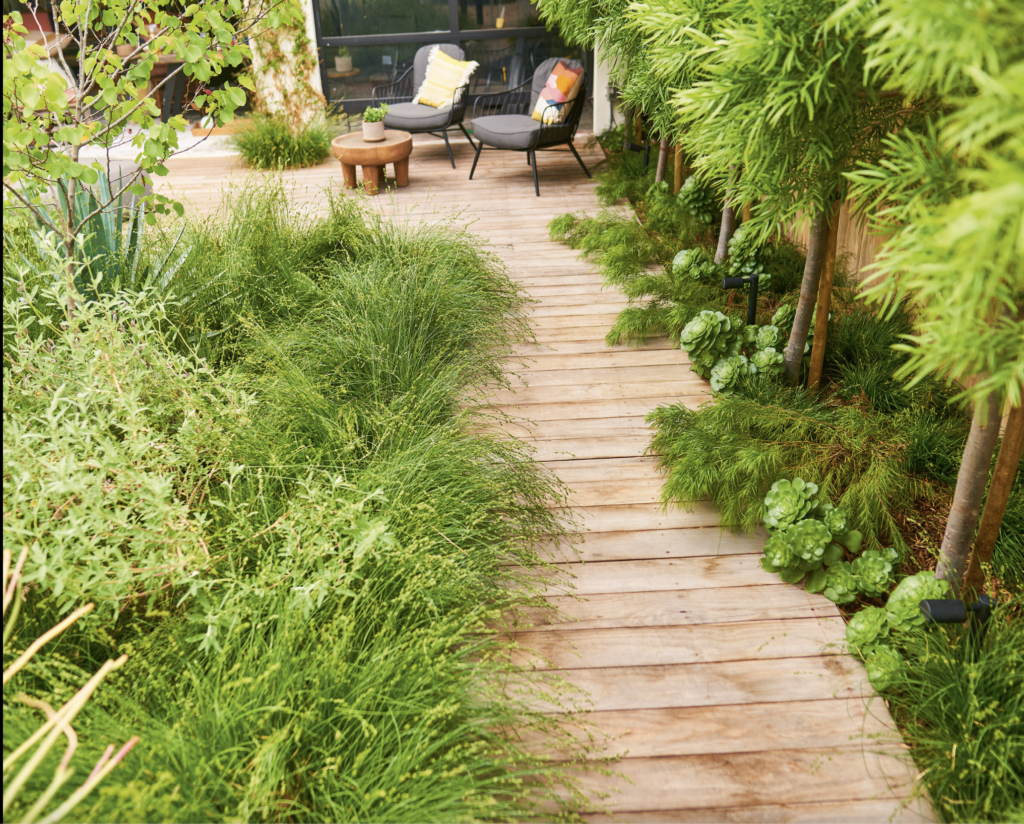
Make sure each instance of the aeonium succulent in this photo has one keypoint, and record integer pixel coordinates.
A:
(807, 539)
(903, 609)
(783, 317)
(777, 554)
(726, 373)
(837, 521)
(788, 502)
(883, 664)
(769, 336)
(767, 360)
(709, 331)
(840, 583)
(866, 629)
(873, 573)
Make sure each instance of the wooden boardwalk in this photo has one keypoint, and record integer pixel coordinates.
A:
(724, 687)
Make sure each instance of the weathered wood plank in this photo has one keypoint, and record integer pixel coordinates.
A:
(668, 543)
(564, 649)
(884, 809)
(627, 407)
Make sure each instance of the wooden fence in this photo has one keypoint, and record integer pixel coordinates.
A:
(854, 241)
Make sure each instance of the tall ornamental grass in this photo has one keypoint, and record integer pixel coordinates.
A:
(293, 519)
(274, 143)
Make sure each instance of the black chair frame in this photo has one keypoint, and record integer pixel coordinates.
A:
(517, 101)
(401, 91)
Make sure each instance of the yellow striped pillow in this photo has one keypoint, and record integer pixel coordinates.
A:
(444, 75)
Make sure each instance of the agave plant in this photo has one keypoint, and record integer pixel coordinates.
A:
(113, 260)
(788, 502)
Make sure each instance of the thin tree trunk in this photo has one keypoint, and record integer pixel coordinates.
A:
(659, 174)
(1010, 452)
(748, 209)
(677, 171)
(808, 297)
(970, 489)
(726, 232)
(828, 273)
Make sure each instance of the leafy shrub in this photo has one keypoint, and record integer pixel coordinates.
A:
(273, 143)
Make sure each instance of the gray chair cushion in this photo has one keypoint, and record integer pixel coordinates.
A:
(419, 62)
(543, 72)
(413, 117)
(507, 131)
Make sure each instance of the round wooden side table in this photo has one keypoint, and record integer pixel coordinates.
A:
(351, 150)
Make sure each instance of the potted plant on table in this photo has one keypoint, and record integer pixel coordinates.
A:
(343, 60)
(373, 123)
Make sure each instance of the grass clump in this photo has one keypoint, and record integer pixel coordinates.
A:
(311, 533)
(271, 142)
(960, 704)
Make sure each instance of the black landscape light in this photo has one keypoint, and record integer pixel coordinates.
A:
(942, 611)
(736, 283)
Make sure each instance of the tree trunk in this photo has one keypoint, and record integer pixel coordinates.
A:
(828, 272)
(970, 489)
(659, 174)
(748, 210)
(677, 171)
(808, 296)
(998, 496)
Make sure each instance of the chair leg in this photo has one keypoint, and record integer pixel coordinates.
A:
(479, 146)
(536, 184)
(529, 160)
(470, 139)
(580, 159)
(448, 146)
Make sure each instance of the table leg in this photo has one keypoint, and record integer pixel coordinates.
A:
(383, 177)
(349, 173)
(402, 173)
(371, 179)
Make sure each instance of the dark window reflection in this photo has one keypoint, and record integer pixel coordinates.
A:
(353, 18)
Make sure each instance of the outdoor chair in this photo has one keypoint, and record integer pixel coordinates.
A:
(416, 118)
(508, 125)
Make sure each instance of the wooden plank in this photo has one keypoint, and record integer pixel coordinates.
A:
(627, 407)
(605, 491)
(563, 649)
(771, 601)
(581, 428)
(690, 542)
(584, 348)
(619, 359)
(645, 517)
(838, 812)
(800, 776)
(622, 446)
(600, 391)
(763, 681)
(673, 731)
(662, 575)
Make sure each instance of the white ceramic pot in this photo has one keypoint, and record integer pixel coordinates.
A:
(373, 132)
(343, 64)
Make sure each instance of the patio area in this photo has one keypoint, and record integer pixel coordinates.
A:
(724, 688)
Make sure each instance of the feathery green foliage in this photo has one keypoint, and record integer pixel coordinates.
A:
(271, 142)
(290, 537)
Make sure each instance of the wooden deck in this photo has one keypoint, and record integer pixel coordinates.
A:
(723, 686)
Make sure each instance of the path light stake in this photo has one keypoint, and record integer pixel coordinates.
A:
(951, 611)
(736, 283)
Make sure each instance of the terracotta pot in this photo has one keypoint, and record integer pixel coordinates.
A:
(373, 132)
(343, 64)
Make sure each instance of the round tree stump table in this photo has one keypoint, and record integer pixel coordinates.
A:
(351, 150)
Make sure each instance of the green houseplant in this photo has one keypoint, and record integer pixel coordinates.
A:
(373, 123)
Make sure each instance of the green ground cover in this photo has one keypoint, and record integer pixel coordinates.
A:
(273, 481)
(883, 452)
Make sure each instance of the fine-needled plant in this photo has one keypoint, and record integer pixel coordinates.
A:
(271, 142)
(375, 114)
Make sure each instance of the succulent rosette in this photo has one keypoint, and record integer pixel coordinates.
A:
(883, 664)
(767, 360)
(749, 336)
(783, 317)
(840, 583)
(698, 199)
(807, 539)
(727, 372)
(788, 502)
(705, 339)
(837, 521)
(904, 605)
(777, 554)
(874, 573)
(770, 336)
(866, 629)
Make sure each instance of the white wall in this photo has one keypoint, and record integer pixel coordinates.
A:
(602, 86)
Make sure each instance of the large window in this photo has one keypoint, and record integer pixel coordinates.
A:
(367, 43)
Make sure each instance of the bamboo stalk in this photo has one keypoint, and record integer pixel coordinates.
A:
(677, 171)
